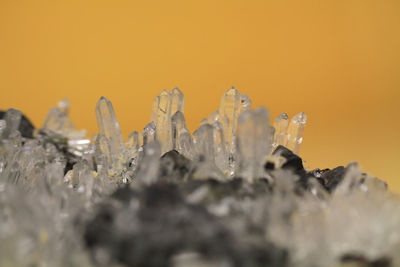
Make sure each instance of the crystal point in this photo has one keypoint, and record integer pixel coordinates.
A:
(149, 133)
(108, 125)
(245, 103)
(280, 124)
(177, 101)
(295, 132)
(12, 120)
(229, 109)
(253, 143)
(178, 124)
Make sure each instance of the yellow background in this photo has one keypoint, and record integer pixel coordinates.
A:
(338, 61)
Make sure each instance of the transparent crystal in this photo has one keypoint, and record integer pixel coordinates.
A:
(228, 113)
(245, 103)
(149, 164)
(12, 120)
(186, 145)
(161, 117)
(133, 143)
(214, 117)
(253, 144)
(108, 125)
(63, 106)
(221, 155)
(178, 124)
(205, 150)
(177, 101)
(57, 121)
(280, 124)
(295, 132)
(150, 133)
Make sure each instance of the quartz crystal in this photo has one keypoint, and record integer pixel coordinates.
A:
(233, 193)
(12, 120)
(228, 113)
(165, 105)
(109, 127)
(295, 132)
(280, 124)
(245, 103)
(133, 143)
(57, 121)
(253, 143)
(178, 124)
(150, 133)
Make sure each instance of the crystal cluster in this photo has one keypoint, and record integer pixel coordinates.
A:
(232, 193)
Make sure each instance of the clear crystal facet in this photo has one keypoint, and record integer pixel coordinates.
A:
(280, 124)
(295, 132)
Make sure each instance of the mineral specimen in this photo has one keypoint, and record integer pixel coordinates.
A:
(233, 193)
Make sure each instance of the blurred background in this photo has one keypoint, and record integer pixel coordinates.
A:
(338, 61)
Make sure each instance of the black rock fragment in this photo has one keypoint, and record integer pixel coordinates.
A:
(174, 166)
(360, 260)
(330, 179)
(293, 163)
(162, 224)
(26, 127)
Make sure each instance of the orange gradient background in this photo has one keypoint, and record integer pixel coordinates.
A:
(338, 61)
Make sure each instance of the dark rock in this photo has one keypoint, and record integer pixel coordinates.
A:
(330, 179)
(162, 225)
(26, 127)
(361, 260)
(174, 166)
(293, 163)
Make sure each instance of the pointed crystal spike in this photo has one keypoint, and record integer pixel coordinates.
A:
(245, 103)
(177, 101)
(203, 121)
(221, 155)
(148, 167)
(186, 146)
(133, 140)
(177, 125)
(108, 126)
(161, 117)
(271, 137)
(281, 124)
(150, 133)
(12, 120)
(103, 147)
(203, 141)
(55, 120)
(204, 147)
(63, 106)
(213, 117)
(295, 132)
(253, 143)
(229, 108)
(133, 144)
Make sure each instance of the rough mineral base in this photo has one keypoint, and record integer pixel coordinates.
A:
(232, 193)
